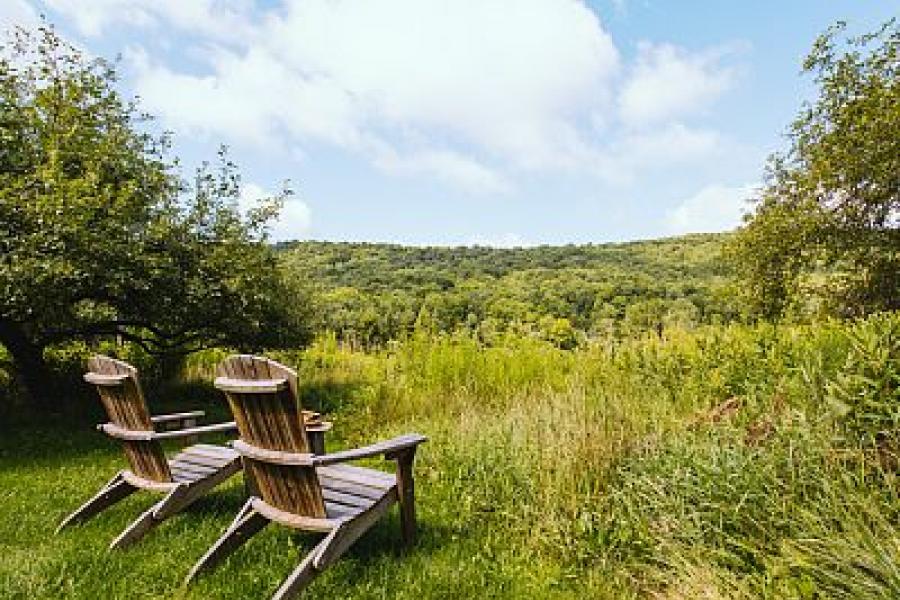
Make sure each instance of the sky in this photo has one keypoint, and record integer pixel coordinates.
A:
(500, 123)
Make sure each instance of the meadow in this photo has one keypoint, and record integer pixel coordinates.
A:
(729, 461)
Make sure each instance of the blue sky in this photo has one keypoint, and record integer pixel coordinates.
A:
(472, 122)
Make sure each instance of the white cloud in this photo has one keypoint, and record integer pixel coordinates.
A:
(668, 82)
(16, 13)
(468, 92)
(448, 166)
(222, 19)
(293, 222)
(637, 153)
(502, 80)
(714, 208)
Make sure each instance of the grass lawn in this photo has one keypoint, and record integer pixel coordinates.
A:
(47, 472)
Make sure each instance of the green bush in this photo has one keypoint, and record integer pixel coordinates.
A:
(864, 397)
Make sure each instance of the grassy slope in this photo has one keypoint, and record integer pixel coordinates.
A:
(552, 474)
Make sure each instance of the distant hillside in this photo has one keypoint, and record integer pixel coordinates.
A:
(372, 293)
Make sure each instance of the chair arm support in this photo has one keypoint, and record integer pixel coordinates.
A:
(193, 414)
(145, 436)
(390, 449)
(179, 433)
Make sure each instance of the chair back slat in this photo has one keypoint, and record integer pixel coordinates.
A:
(273, 420)
(125, 406)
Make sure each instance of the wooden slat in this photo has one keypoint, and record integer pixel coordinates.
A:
(211, 451)
(179, 475)
(250, 386)
(194, 414)
(188, 476)
(273, 456)
(191, 468)
(113, 430)
(147, 484)
(185, 477)
(347, 487)
(206, 479)
(106, 380)
(346, 499)
(293, 520)
(193, 431)
(360, 475)
(339, 511)
(387, 447)
(200, 460)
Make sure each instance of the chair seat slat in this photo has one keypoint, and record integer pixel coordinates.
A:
(346, 499)
(349, 487)
(359, 475)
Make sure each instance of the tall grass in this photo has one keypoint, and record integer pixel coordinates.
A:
(730, 462)
(716, 457)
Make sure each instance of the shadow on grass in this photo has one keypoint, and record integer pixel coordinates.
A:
(383, 539)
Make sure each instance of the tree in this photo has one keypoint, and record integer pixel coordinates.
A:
(829, 217)
(100, 236)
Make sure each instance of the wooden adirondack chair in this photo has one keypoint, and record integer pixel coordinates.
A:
(183, 478)
(299, 489)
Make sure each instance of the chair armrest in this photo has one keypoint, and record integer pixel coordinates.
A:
(182, 416)
(179, 433)
(278, 457)
(113, 430)
(320, 426)
(120, 433)
(389, 449)
(250, 386)
(106, 380)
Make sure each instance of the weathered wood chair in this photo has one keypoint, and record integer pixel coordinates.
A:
(183, 478)
(299, 489)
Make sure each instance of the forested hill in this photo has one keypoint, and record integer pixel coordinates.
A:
(371, 293)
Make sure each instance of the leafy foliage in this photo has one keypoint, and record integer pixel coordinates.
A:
(866, 396)
(373, 293)
(827, 227)
(100, 236)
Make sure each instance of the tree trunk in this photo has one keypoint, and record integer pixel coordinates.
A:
(31, 368)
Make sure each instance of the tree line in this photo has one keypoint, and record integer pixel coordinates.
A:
(369, 294)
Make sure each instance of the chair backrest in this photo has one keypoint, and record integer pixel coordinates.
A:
(273, 420)
(125, 406)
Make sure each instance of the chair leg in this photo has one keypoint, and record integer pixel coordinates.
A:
(115, 490)
(303, 574)
(345, 535)
(247, 523)
(153, 516)
(406, 495)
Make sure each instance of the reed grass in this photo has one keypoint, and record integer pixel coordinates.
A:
(711, 464)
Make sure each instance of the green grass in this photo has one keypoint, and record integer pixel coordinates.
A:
(605, 472)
